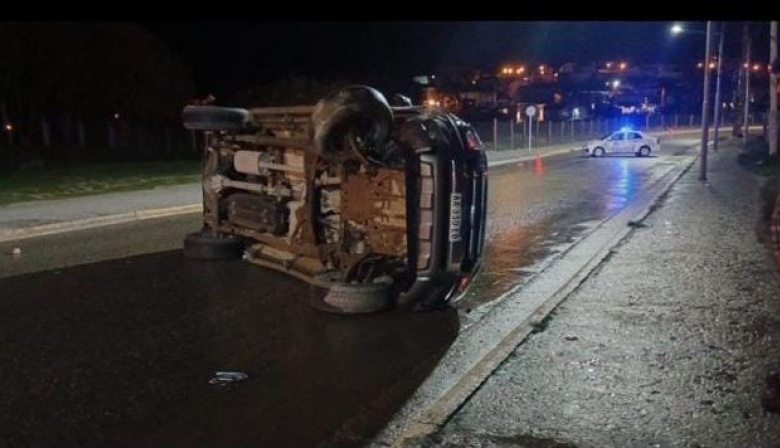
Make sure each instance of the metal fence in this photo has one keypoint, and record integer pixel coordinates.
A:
(505, 134)
(66, 141)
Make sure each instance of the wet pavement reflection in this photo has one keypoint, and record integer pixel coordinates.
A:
(540, 207)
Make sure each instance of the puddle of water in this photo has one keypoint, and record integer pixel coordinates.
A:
(514, 258)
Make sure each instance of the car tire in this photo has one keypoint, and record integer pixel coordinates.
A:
(360, 114)
(644, 151)
(347, 298)
(214, 118)
(439, 299)
(597, 152)
(205, 246)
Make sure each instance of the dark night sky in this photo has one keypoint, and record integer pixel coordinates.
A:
(224, 56)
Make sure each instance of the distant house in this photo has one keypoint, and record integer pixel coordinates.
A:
(479, 95)
(593, 89)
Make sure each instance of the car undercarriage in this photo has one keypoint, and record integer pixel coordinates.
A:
(336, 194)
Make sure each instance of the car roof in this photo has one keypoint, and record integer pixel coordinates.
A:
(623, 131)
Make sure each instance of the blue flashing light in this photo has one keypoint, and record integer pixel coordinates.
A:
(626, 129)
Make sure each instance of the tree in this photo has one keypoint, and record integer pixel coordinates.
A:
(86, 72)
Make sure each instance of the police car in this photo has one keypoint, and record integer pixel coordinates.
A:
(624, 141)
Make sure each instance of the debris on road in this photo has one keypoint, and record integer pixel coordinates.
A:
(223, 378)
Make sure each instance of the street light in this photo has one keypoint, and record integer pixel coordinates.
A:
(677, 29)
(705, 109)
(718, 76)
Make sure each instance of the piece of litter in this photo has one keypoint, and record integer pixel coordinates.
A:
(223, 378)
(637, 224)
(17, 251)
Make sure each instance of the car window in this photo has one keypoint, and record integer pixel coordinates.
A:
(616, 136)
(634, 136)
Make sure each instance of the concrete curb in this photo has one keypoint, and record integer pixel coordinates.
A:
(88, 223)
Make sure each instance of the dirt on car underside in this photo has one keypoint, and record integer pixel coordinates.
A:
(324, 206)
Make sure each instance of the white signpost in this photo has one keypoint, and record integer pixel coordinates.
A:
(530, 112)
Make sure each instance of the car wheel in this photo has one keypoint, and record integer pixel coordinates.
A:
(214, 118)
(598, 152)
(347, 298)
(205, 246)
(644, 151)
(358, 117)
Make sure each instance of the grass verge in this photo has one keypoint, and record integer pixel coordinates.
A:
(64, 182)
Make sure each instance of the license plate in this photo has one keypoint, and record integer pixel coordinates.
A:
(455, 207)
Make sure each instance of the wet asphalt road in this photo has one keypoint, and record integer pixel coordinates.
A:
(539, 208)
(120, 352)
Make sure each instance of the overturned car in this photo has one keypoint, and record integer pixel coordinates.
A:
(373, 205)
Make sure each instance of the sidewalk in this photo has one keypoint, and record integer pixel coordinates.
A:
(667, 344)
(35, 218)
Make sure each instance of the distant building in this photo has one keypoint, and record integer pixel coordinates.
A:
(595, 89)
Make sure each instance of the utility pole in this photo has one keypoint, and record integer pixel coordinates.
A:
(772, 89)
(746, 103)
(705, 107)
(739, 91)
(716, 119)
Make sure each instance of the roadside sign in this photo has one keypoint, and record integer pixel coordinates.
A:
(530, 111)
